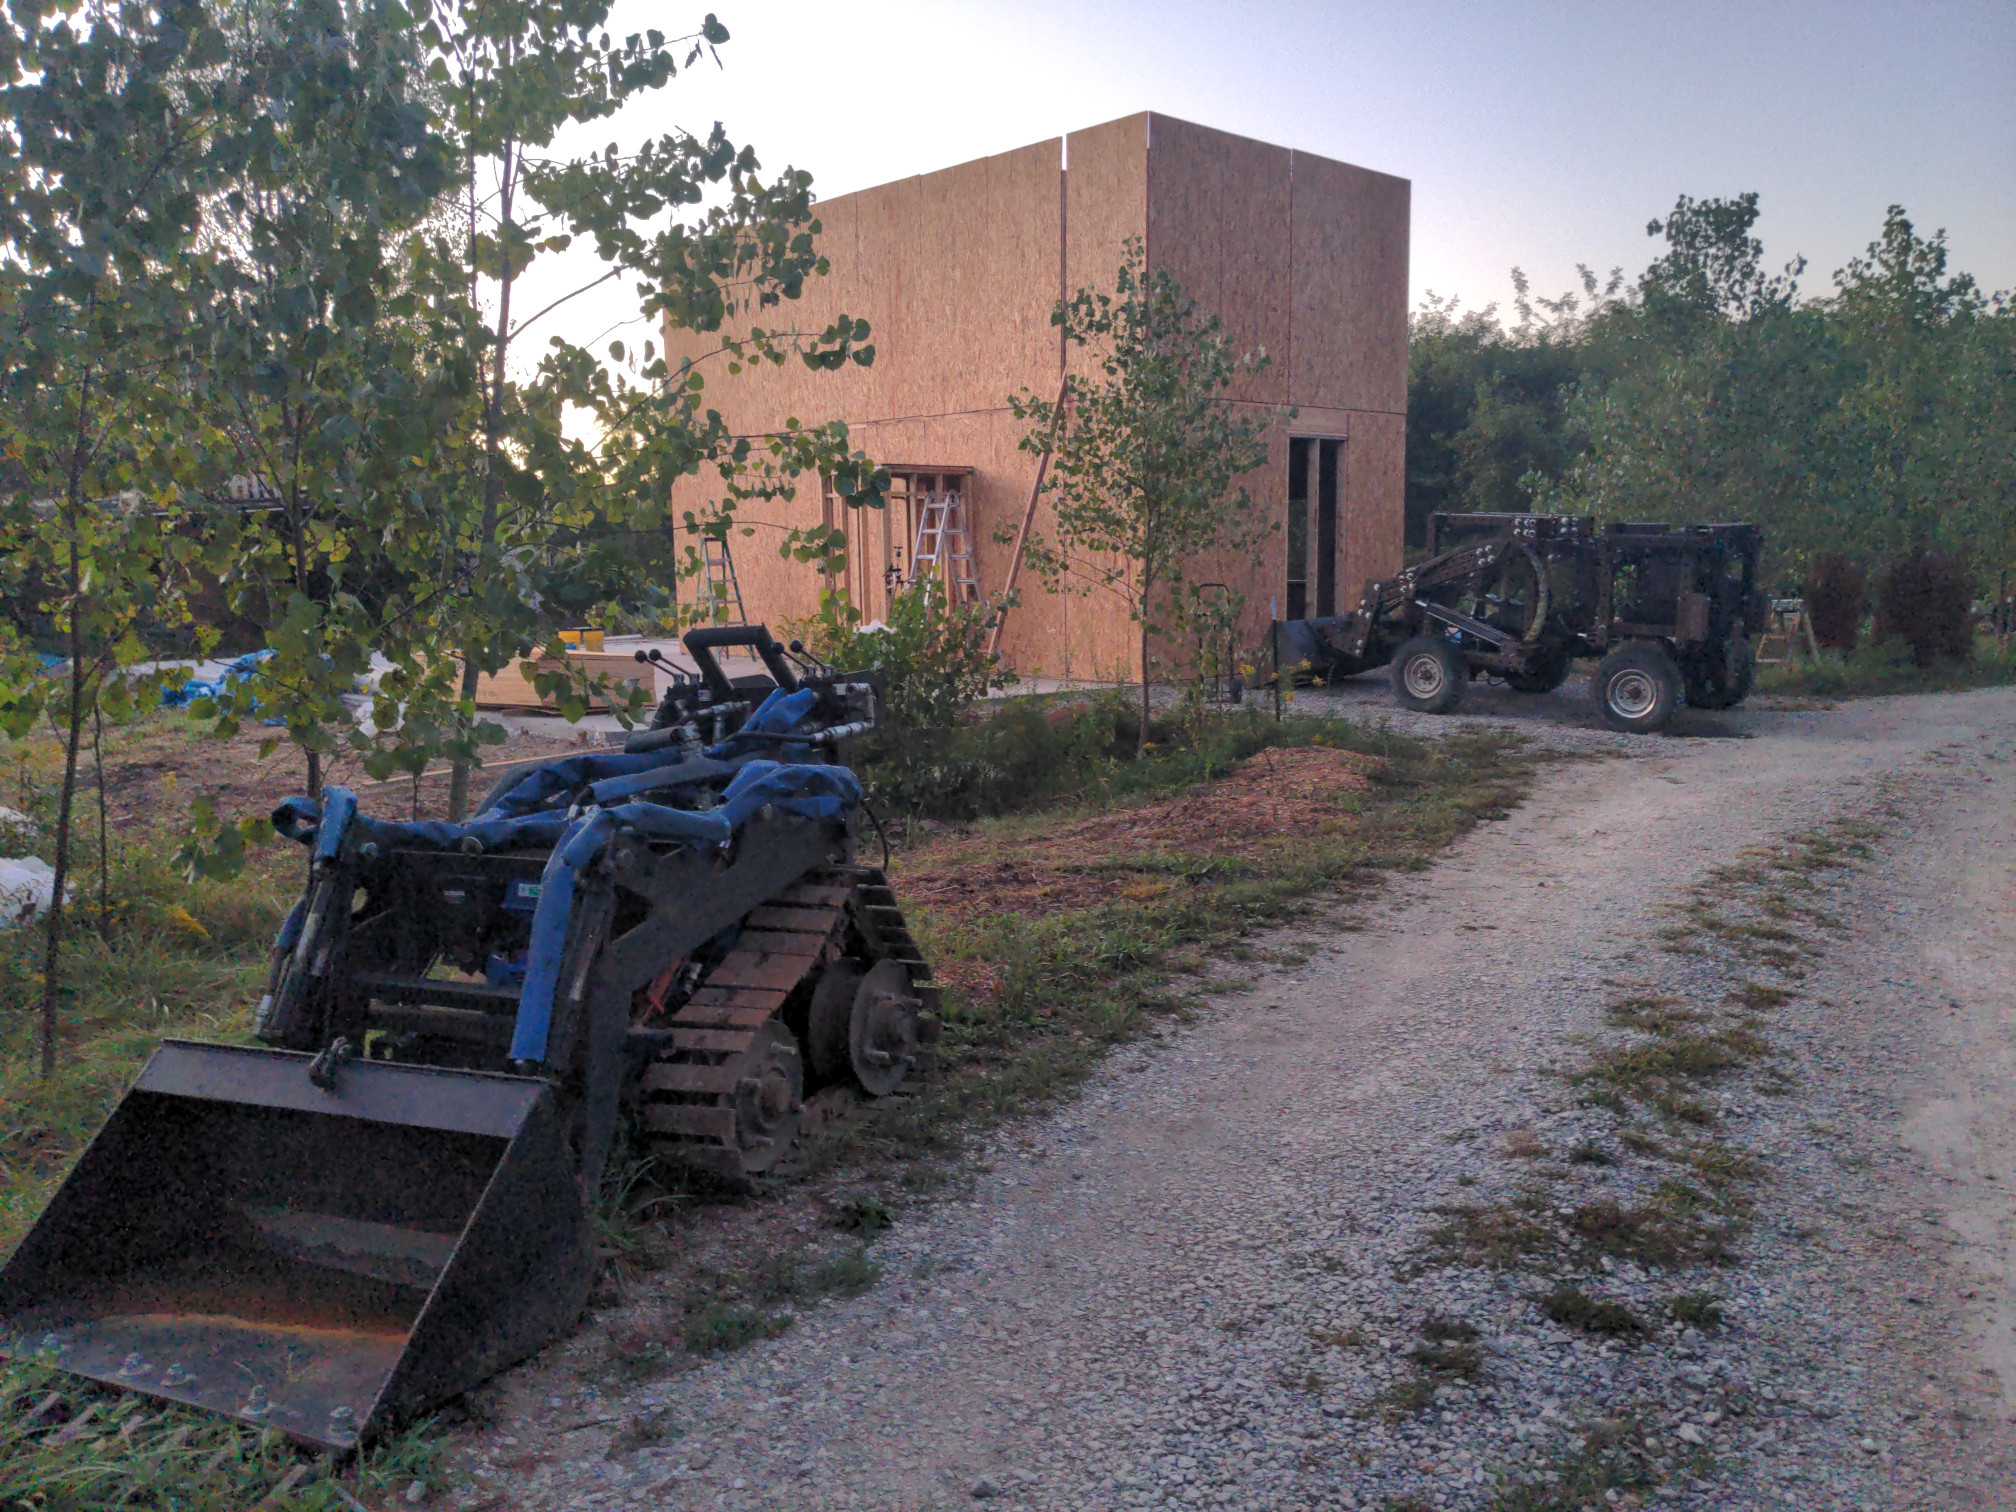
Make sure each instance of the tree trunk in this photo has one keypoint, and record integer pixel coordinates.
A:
(297, 529)
(52, 950)
(458, 771)
(493, 457)
(104, 844)
(1141, 748)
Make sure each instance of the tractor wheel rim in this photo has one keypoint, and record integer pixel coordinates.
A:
(1424, 676)
(1633, 693)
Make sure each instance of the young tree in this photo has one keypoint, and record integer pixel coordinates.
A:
(1144, 451)
(423, 499)
(511, 76)
(310, 354)
(115, 117)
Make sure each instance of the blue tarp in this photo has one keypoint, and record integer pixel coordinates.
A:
(244, 669)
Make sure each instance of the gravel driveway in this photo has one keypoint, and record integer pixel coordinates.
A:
(1192, 1286)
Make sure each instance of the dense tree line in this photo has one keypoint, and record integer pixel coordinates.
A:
(1873, 422)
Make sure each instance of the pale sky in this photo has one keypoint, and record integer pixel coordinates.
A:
(1535, 134)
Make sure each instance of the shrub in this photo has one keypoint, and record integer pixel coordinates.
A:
(1835, 592)
(1926, 602)
(934, 664)
(931, 653)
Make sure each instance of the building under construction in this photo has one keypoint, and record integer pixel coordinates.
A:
(957, 273)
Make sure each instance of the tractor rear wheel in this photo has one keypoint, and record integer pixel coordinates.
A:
(1428, 675)
(1638, 688)
(1725, 680)
(1742, 670)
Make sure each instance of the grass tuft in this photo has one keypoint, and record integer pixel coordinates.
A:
(1609, 1459)
(1574, 1308)
(1702, 1310)
(721, 1327)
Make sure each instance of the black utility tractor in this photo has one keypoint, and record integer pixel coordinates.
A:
(1666, 610)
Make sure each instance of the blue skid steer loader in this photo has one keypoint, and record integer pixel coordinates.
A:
(389, 1199)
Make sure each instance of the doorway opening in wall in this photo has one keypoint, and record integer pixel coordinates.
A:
(1313, 464)
(880, 542)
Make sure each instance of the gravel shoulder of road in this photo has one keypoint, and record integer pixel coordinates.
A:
(1257, 1262)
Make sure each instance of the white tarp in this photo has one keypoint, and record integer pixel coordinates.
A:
(27, 884)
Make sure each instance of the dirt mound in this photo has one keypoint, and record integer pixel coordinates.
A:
(1276, 796)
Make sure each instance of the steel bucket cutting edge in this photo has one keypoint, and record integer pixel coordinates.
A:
(321, 1262)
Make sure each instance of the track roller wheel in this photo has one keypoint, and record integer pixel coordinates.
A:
(829, 1022)
(882, 1037)
(769, 1096)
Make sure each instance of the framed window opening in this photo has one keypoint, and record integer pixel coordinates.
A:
(880, 541)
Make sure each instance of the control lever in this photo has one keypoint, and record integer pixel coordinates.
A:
(656, 658)
(812, 665)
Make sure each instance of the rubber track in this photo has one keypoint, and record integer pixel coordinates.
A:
(689, 1089)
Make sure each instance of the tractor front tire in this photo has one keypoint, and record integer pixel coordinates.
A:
(1428, 675)
(1638, 688)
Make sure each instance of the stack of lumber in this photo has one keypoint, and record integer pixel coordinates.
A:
(511, 689)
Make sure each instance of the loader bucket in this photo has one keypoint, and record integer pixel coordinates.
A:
(320, 1262)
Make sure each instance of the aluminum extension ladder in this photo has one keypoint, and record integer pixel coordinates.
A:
(722, 588)
(942, 544)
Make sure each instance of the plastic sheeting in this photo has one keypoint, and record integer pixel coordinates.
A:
(27, 886)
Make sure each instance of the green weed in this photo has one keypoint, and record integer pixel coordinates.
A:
(1878, 669)
(1666, 1233)
(1501, 1237)
(1448, 1330)
(69, 1446)
(1574, 1308)
(863, 1213)
(1448, 1362)
(1339, 1338)
(721, 1327)
(1611, 1459)
(1702, 1310)
(1404, 1397)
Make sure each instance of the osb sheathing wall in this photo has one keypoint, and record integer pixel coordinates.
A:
(956, 273)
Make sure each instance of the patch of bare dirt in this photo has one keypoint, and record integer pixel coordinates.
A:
(1270, 798)
(153, 770)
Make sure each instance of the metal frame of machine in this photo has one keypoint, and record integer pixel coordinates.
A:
(392, 1202)
(1668, 609)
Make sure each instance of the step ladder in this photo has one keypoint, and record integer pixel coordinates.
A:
(942, 546)
(724, 593)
